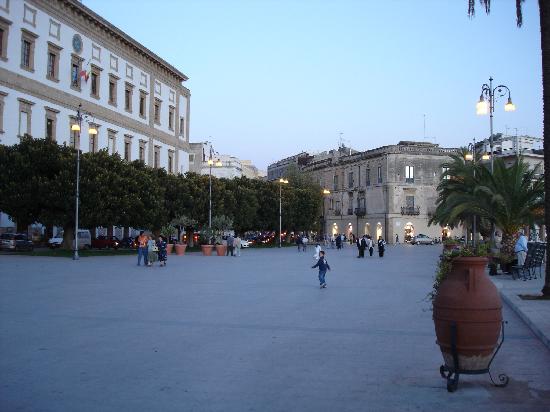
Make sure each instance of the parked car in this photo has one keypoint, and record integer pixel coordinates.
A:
(84, 240)
(106, 242)
(421, 239)
(15, 241)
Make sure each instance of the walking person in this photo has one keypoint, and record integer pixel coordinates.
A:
(161, 246)
(142, 247)
(362, 246)
(521, 248)
(338, 242)
(323, 265)
(304, 242)
(230, 246)
(381, 246)
(152, 251)
(317, 251)
(237, 246)
(370, 245)
(299, 242)
(396, 239)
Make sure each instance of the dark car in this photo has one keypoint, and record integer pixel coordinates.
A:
(15, 241)
(106, 242)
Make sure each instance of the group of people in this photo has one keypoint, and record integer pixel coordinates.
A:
(302, 241)
(233, 245)
(151, 251)
(366, 243)
(338, 240)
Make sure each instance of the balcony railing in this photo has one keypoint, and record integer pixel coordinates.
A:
(338, 212)
(350, 211)
(410, 210)
(409, 180)
(360, 211)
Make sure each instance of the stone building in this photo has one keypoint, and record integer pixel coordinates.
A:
(385, 192)
(58, 54)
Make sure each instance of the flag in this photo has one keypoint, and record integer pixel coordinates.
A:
(85, 74)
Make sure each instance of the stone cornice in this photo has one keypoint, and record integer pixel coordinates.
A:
(84, 20)
(57, 97)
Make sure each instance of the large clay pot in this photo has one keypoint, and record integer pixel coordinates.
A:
(207, 249)
(221, 249)
(169, 248)
(469, 299)
(180, 249)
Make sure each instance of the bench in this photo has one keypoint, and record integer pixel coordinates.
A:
(533, 260)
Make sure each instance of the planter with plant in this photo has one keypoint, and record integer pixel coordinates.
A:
(450, 244)
(168, 231)
(467, 314)
(206, 240)
(221, 224)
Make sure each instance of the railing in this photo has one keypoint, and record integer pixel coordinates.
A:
(360, 211)
(409, 180)
(350, 211)
(410, 210)
(338, 212)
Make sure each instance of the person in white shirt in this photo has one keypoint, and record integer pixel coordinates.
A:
(521, 248)
(317, 250)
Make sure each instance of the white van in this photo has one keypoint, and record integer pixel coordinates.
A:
(84, 240)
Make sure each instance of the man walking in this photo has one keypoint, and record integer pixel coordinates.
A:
(230, 241)
(521, 248)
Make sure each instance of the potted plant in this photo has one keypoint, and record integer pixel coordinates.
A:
(450, 244)
(168, 231)
(467, 313)
(221, 224)
(187, 225)
(206, 241)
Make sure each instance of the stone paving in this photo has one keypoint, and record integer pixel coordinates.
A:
(253, 333)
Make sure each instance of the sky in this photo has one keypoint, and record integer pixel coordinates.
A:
(269, 79)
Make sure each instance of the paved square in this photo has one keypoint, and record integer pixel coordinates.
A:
(253, 333)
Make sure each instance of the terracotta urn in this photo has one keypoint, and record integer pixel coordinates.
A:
(180, 249)
(169, 248)
(468, 299)
(207, 249)
(221, 249)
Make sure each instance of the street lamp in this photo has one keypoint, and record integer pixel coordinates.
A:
(211, 163)
(471, 156)
(281, 183)
(325, 193)
(80, 115)
(486, 104)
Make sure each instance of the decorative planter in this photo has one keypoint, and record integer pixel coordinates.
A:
(169, 248)
(180, 249)
(221, 249)
(468, 300)
(207, 249)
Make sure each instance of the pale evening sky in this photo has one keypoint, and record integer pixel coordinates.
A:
(269, 79)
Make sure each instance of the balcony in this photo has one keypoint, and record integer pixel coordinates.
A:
(360, 211)
(410, 210)
(338, 212)
(350, 211)
(409, 180)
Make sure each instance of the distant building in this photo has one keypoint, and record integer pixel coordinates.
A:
(230, 167)
(385, 192)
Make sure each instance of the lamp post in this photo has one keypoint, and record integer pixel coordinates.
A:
(486, 104)
(281, 183)
(325, 193)
(211, 163)
(80, 115)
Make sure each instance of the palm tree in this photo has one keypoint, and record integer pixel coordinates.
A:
(544, 14)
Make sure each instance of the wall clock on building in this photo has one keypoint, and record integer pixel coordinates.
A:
(77, 43)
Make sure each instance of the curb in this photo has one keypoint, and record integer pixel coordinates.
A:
(534, 328)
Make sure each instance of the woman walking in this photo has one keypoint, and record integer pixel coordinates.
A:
(381, 246)
(152, 251)
(161, 246)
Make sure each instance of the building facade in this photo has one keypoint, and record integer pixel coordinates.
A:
(58, 54)
(385, 192)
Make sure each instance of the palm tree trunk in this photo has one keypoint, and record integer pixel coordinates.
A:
(544, 8)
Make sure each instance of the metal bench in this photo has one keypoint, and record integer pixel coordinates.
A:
(533, 260)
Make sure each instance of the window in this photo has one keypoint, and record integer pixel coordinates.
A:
(409, 174)
(4, 33)
(191, 157)
(128, 92)
(27, 49)
(410, 202)
(444, 172)
(127, 147)
(379, 174)
(113, 81)
(94, 81)
(25, 114)
(335, 182)
(350, 180)
(171, 117)
(157, 111)
(170, 161)
(142, 103)
(331, 204)
(2, 95)
(74, 137)
(93, 139)
(51, 123)
(142, 144)
(111, 148)
(182, 126)
(156, 159)
(367, 177)
(76, 68)
(338, 208)
(52, 68)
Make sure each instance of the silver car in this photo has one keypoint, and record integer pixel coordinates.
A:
(421, 239)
